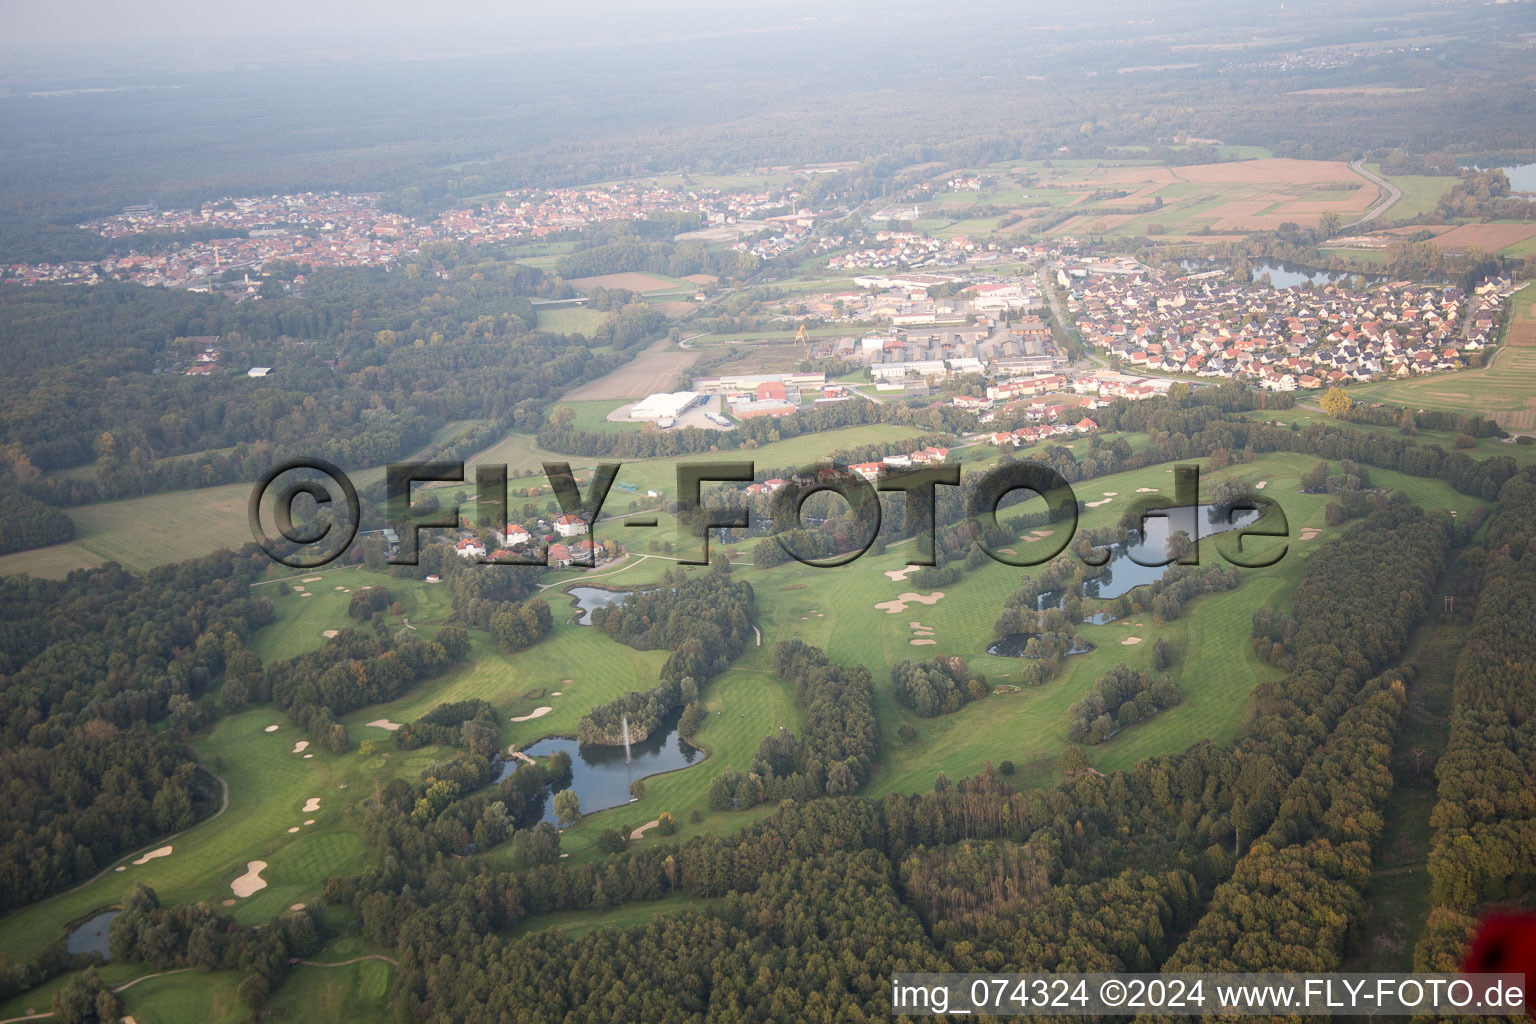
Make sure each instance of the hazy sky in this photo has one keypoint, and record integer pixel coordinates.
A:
(78, 35)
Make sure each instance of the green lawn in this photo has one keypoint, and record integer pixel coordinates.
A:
(570, 319)
(1421, 192)
(593, 416)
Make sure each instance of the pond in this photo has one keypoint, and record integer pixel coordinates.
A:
(1123, 573)
(1286, 275)
(91, 935)
(600, 775)
(1522, 177)
(1014, 644)
(586, 599)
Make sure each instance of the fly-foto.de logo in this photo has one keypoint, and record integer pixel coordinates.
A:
(333, 515)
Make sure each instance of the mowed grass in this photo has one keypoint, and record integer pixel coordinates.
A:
(1421, 192)
(593, 416)
(327, 989)
(1505, 390)
(268, 787)
(569, 319)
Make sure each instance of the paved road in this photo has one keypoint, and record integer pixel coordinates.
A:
(1393, 194)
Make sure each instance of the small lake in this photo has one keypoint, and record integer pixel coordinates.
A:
(91, 935)
(1014, 644)
(587, 599)
(600, 775)
(1522, 177)
(1124, 571)
(1286, 275)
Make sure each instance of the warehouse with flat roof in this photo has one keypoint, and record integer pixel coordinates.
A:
(663, 408)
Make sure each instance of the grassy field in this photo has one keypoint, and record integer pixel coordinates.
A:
(570, 319)
(141, 533)
(593, 416)
(1505, 389)
(1421, 192)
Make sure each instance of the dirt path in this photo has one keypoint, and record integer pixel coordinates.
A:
(345, 963)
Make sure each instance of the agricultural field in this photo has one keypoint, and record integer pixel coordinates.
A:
(1204, 202)
(635, 282)
(655, 369)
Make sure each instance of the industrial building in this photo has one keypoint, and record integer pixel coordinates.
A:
(663, 409)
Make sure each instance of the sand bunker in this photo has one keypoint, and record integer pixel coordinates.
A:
(338, 588)
(919, 643)
(120, 867)
(1111, 494)
(1308, 533)
(298, 748)
(251, 881)
(535, 713)
(312, 579)
(643, 829)
(293, 830)
(384, 723)
(899, 604)
(1260, 484)
(1130, 641)
(1146, 490)
(312, 805)
(1101, 501)
(900, 575)
(164, 851)
(295, 906)
(308, 756)
(306, 594)
(557, 693)
(270, 728)
(1010, 551)
(1042, 533)
(227, 903)
(309, 821)
(329, 633)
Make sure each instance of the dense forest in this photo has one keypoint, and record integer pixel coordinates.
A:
(367, 363)
(1485, 817)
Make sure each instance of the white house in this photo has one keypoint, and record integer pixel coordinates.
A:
(570, 525)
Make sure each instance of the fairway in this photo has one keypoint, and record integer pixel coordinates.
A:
(268, 788)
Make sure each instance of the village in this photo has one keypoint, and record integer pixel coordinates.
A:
(332, 229)
(1281, 339)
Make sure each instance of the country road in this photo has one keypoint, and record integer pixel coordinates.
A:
(1393, 195)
